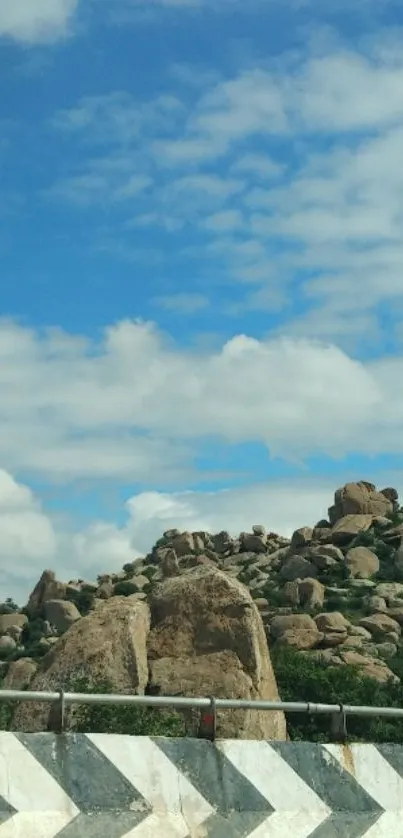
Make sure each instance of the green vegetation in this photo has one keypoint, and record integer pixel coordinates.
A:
(301, 678)
(134, 721)
(8, 607)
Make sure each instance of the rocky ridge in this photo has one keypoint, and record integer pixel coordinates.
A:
(204, 608)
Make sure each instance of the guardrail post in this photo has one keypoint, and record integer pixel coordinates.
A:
(58, 714)
(339, 725)
(208, 722)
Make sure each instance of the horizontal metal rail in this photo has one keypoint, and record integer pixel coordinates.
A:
(182, 703)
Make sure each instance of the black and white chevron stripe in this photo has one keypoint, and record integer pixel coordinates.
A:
(111, 786)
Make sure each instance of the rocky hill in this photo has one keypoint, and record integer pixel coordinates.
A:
(204, 613)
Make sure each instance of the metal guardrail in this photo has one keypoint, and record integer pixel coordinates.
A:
(207, 706)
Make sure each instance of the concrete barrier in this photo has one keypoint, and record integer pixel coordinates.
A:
(110, 786)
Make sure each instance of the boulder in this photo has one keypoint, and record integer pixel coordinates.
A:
(291, 592)
(311, 593)
(346, 528)
(169, 564)
(379, 625)
(7, 644)
(297, 568)
(362, 563)
(396, 613)
(107, 645)
(197, 616)
(20, 674)
(61, 614)
(301, 537)
(371, 667)
(48, 587)
(325, 551)
(334, 638)
(332, 621)
(389, 590)
(183, 544)
(253, 543)
(291, 622)
(223, 543)
(359, 499)
(376, 604)
(8, 620)
(301, 640)
(259, 529)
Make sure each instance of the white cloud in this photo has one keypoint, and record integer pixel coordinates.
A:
(320, 210)
(135, 406)
(182, 303)
(36, 20)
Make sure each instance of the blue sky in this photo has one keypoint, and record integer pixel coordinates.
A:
(201, 288)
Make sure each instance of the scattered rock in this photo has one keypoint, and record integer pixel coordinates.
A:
(371, 667)
(7, 620)
(7, 644)
(61, 614)
(332, 621)
(349, 526)
(311, 593)
(380, 624)
(376, 604)
(291, 592)
(359, 499)
(293, 622)
(362, 563)
(303, 639)
(297, 568)
(48, 587)
(20, 674)
(302, 537)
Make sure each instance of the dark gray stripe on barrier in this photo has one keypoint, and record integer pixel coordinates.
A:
(6, 810)
(393, 755)
(92, 782)
(323, 773)
(239, 806)
(104, 825)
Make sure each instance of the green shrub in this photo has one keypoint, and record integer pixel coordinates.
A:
(83, 600)
(301, 678)
(134, 721)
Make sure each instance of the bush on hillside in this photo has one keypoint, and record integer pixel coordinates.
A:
(133, 721)
(301, 678)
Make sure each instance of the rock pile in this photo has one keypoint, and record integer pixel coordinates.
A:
(198, 613)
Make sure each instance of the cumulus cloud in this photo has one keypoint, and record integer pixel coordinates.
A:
(31, 21)
(136, 406)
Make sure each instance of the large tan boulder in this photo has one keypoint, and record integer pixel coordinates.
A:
(47, 588)
(359, 499)
(362, 563)
(209, 633)
(107, 645)
(346, 528)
